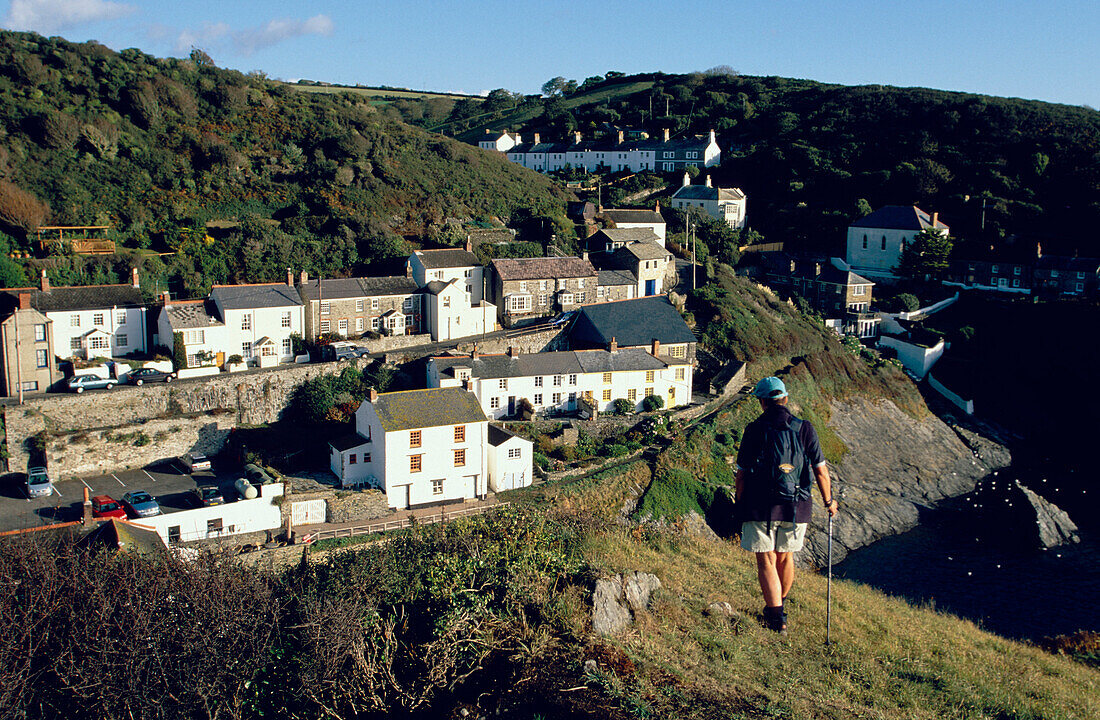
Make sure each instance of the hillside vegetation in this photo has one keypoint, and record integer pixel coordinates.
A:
(158, 147)
(813, 156)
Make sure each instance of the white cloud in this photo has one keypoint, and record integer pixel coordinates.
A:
(247, 41)
(46, 16)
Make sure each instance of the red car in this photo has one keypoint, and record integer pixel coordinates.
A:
(103, 506)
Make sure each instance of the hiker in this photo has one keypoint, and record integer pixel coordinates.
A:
(777, 464)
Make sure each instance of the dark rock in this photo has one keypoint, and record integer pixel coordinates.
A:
(617, 598)
(1052, 522)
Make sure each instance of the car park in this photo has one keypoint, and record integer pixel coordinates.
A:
(194, 462)
(80, 383)
(140, 504)
(38, 482)
(207, 496)
(104, 506)
(144, 375)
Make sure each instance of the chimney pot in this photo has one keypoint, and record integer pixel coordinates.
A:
(469, 243)
(537, 138)
(620, 137)
(613, 346)
(577, 137)
(373, 395)
(44, 282)
(134, 280)
(164, 298)
(290, 277)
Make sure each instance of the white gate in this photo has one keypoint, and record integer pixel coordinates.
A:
(308, 512)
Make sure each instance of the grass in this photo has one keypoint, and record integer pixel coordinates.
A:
(380, 93)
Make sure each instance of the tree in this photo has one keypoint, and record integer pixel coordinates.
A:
(926, 256)
(11, 273)
(179, 351)
(554, 86)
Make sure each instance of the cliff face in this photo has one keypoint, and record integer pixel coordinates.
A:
(895, 466)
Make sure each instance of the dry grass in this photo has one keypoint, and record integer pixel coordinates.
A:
(888, 659)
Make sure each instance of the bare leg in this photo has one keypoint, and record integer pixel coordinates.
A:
(784, 567)
(770, 584)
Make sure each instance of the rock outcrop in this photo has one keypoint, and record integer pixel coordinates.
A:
(1051, 522)
(618, 598)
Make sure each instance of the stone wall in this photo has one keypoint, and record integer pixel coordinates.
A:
(532, 343)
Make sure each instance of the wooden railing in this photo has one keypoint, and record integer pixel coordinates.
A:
(399, 524)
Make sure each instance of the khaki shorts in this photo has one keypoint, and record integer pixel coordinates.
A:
(784, 536)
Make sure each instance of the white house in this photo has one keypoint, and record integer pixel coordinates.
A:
(630, 218)
(93, 320)
(615, 152)
(501, 142)
(203, 333)
(259, 320)
(553, 381)
(876, 241)
(725, 204)
(510, 460)
(207, 523)
(445, 265)
(449, 314)
(420, 447)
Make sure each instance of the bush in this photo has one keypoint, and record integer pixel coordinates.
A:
(652, 403)
(235, 360)
(622, 406)
(907, 302)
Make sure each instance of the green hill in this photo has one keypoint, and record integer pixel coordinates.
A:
(155, 148)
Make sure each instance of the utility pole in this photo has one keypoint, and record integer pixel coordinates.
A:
(691, 231)
(983, 214)
(18, 358)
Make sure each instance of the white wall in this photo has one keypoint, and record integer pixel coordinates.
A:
(916, 358)
(471, 279)
(459, 319)
(242, 516)
(507, 473)
(264, 322)
(132, 326)
(873, 257)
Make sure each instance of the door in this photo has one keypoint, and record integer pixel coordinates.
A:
(220, 359)
(511, 405)
(650, 287)
(404, 497)
(343, 327)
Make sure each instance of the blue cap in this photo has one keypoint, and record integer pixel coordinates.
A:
(770, 388)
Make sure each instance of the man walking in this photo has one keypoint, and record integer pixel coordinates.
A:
(779, 460)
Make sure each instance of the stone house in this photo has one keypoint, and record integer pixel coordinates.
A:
(614, 285)
(634, 324)
(625, 219)
(352, 306)
(420, 447)
(554, 382)
(29, 363)
(204, 335)
(725, 204)
(830, 287)
(875, 242)
(611, 239)
(449, 264)
(531, 287)
(986, 273)
(1065, 275)
(649, 263)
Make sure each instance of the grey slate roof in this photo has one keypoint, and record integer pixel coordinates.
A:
(433, 407)
(345, 288)
(347, 442)
(546, 268)
(498, 436)
(562, 362)
(435, 287)
(633, 216)
(90, 297)
(190, 315)
(898, 217)
(247, 297)
(632, 323)
(448, 258)
(627, 235)
(646, 250)
(616, 277)
(702, 192)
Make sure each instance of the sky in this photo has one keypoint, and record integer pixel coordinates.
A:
(1036, 49)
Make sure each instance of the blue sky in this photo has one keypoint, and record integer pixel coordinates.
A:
(1047, 50)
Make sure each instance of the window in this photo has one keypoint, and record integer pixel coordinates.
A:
(538, 399)
(542, 298)
(557, 380)
(1016, 270)
(519, 303)
(572, 397)
(76, 344)
(1015, 283)
(523, 286)
(374, 323)
(632, 395)
(494, 403)
(246, 350)
(679, 373)
(556, 398)
(566, 298)
(214, 525)
(173, 533)
(74, 321)
(326, 308)
(606, 395)
(286, 346)
(580, 283)
(285, 320)
(648, 391)
(351, 459)
(41, 359)
(514, 452)
(98, 342)
(325, 326)
(246, 321)
(446, 301)
(120, 318)
(668, 154)
(607, 378)
(121, 341)
(996, 269)
(460, 433)
(414, 463)
(573, 379)
(414, 438)
(1080, 275)
(1080, 287)
(1054, 273)
(649, 376)
(359, 305)
(678, 351)
(97, 319)
(39, 333)
(538, 381)
(601, 291)
(437, 487)
(374, 303)
(859, 290)
(579, 298)
(542, 285)
(883, 242)
(366, 458)
(864, 242)
(460, 457)
(409, 304)
(359, 324)
(503, 383)
(30, 384)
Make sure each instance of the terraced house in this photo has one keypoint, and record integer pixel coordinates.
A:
(616, 152)
(352, 306)
(531, 287)
(558, 382)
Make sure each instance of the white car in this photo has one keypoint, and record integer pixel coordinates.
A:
(195, 462)
(38, 482)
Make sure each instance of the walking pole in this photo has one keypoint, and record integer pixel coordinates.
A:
(829, 586)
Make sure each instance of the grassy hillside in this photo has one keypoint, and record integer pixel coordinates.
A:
(813, 156)
(491, 615)
(157, 147)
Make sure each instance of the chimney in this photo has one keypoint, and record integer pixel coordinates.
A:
(657, 207)
(474, 354)
(817, 269)
(687, 180)
(469, 243)
(165, 298)
(44, 282)
(134, 278)
(613, 346)
(1039, 250)
(620, 137)
(303, 278)
(656, 347)
(935, 218)
(792, 267)
(24, 301)
(290, 277)
(712, 140)
(665, 134)
(511, 351)
(577, 137)
(468, 385)
(707, 181)
(408, 268)
(87, 508)
(536, 138)
(373, 395)
(584, 256)
(488, 131)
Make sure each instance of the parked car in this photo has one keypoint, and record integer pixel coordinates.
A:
(104, 506)
(80, 383)
(207, 496)
(341, 351)
(195, 462)
(147, 374)
(38, 482)
(140, 504)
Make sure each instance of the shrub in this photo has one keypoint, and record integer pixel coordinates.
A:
(622, 406)
(907, 302)
(652, 403)
(235, 360)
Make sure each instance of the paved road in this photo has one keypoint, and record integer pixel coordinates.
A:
(166, 481)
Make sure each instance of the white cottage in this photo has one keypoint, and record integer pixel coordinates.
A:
(449, 314)
(876, 241)
(510, 460)
(93, 320)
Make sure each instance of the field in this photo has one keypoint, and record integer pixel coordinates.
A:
(379, 94)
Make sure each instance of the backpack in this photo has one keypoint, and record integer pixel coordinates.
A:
(780, 470)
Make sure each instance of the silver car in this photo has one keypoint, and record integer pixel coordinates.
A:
(80, 383)
(38, 482)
